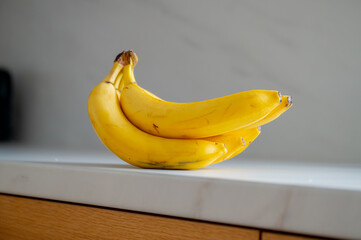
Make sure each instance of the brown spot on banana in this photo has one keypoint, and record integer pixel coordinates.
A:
(156, 128)
(228, 107)
(207, 120)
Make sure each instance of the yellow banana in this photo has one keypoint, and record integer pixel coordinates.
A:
(236, 141)
(232, 141)
(137, 147)
(193, 120)
(249, 137)
(275, 113)
(250, 133)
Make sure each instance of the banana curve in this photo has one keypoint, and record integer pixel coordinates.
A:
(197, 119)
(137, 147)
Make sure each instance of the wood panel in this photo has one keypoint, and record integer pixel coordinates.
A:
(28, 218)
(281, 236)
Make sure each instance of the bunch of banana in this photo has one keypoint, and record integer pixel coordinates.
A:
(148, 132)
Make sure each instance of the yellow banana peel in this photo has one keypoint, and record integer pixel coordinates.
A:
(148, 132)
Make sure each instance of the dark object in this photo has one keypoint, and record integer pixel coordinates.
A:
(5, 105)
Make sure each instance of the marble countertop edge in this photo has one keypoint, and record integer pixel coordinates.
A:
(299, 209)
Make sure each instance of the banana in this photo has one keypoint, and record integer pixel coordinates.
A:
(250, 133)
(249, 137)
(236, 141)
(192, 120)
(275, 113)
(135, 146)
(232, 141)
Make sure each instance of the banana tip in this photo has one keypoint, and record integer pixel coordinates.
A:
(289, 100)
(280, 96)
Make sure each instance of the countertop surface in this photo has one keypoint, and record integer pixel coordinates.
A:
(316, 199)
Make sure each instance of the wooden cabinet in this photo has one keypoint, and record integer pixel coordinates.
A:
(29, 218)
(278, 236)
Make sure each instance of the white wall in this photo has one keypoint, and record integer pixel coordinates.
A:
(190, 50)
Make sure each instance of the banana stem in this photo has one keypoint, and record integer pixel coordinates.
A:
(112, 75)
(118, 80)
(128, 75)
(121, 86)
(122, 59)
(126, 60)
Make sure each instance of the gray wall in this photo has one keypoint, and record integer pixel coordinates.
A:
(190, 50)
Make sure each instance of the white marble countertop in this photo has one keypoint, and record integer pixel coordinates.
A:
(320, 200)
